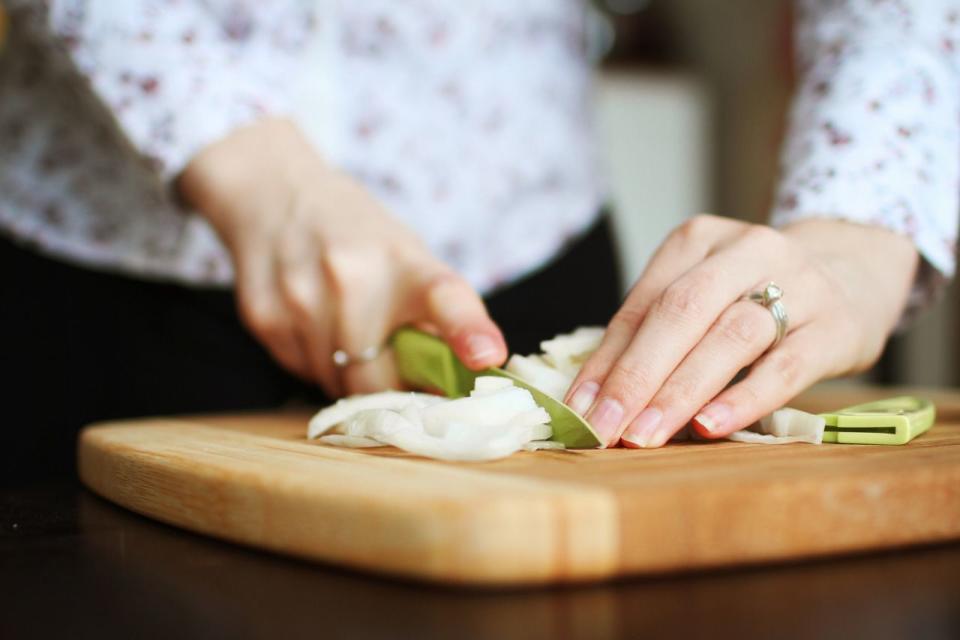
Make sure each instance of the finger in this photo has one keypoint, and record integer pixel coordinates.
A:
(263, 311)
(676, 322)
(683, 249)
(371, 377)
(304, 293)
(367, 300)
(302, 287)
(789, 368)
(459, 314)
(740, 336)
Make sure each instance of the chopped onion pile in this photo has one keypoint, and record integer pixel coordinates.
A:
(497, 420)
(782, 427)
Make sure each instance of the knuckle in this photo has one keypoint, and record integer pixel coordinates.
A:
(680, 391)
(263, 320)
(626, 320)
(788, 366)
(764, 237)
(346, 268)
(627, 381)
(683, 299)
(453, 302)
(749, 395)
(740, 329)
(695, 227)
(446, 283)
(595, 368)
(702, 223)
(296, 289)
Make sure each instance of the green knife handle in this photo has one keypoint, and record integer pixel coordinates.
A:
(426, 362)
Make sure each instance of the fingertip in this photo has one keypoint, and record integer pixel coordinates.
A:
(480, 349)
(460, 316)
(715, 420)
(702, 430)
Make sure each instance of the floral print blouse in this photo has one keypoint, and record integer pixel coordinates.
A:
(874, 134)
(469, 120)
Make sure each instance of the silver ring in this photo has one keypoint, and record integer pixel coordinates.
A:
(770, 298)
(342, 359)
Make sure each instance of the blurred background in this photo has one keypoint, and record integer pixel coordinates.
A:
(692, 97)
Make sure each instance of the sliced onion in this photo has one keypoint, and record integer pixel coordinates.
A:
(752, 437)
(346, 407)
(495, 421)
(567, 352)
(535, 371)
(354, 442)
(537, 445)
(484, 385)
(784, 426)
(495, 408)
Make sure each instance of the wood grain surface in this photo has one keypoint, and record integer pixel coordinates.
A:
(534, 518)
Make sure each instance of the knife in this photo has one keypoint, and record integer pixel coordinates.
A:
(426, 362)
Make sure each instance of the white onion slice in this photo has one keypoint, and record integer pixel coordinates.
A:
(537, 445)
(567, 352)
(752, 437)
(784, 426)
(484, 385)
(354, 442)
(535, 371)
(346, 407)
(496, 408)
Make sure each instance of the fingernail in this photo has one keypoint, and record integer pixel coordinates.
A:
(714, 416)
(641, 431)
(606, 418)
(481, 347)
(584, 396)
(659, 438)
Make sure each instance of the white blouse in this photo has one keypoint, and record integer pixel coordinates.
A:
(874, 133)
(469, 120)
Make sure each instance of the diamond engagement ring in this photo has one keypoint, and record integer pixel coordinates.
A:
(342, 359)
(770, 298)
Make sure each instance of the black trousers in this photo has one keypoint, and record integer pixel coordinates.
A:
(81, 346)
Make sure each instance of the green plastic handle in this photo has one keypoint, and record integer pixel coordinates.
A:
(426, 362)
(891, 421)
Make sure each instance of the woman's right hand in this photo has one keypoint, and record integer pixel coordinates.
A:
(320, 266)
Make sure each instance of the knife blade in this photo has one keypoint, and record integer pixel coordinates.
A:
(425, 361)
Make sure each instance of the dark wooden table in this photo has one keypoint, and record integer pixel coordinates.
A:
(72, 565)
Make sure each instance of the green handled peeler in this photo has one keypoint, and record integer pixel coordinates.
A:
(427, 362)
(892, 421)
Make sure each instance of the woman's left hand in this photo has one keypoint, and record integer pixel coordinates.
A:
(686, 329)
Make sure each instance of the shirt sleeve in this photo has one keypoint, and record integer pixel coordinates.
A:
(874, 128)
(178, 75)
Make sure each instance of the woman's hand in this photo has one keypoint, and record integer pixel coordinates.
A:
(685, 330)
(320, 266)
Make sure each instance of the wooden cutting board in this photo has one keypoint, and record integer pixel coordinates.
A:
(535, 518)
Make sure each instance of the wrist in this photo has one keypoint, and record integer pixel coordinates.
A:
(258, 163)
(874, 266)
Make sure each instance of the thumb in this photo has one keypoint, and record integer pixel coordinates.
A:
(461, 318)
